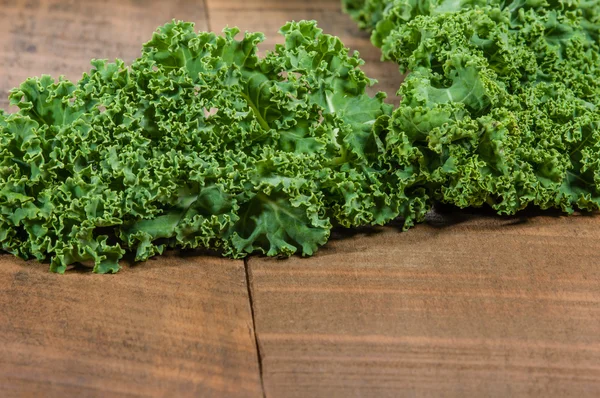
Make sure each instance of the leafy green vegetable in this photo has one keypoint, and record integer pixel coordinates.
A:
(202, 144)
(502, 103)
(199, 143)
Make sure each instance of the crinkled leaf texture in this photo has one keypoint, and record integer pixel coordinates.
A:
(199, 143)
(502, 103)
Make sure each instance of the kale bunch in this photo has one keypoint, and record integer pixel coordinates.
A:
(502, 101)
(199, 143)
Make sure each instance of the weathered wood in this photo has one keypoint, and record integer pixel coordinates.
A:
(58, 37)
(175, 326)
(486, 307)
(268, 16)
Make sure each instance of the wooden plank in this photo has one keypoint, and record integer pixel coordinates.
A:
(176, 326)
(59, 37)
(484, 307)
(268, 16)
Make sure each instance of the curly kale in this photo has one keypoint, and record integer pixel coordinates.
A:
(199, 143)
(502, 102)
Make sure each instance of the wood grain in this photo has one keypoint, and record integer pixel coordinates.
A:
(177, 326)
(485, 307)
(60, 37)
(268, 16)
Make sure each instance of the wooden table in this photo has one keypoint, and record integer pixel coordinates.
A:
(466, 305)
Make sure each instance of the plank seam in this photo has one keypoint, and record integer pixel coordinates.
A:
(256, 342)
(207, 16)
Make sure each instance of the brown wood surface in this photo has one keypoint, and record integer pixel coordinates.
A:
(468, 305)
(484, 307)
(172, 327)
